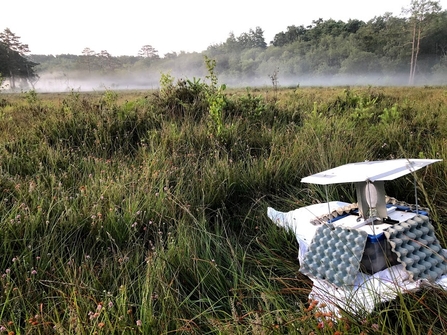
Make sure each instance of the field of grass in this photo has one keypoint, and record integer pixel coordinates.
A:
(145, 212)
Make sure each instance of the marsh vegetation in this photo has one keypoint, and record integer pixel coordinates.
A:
(145, 212)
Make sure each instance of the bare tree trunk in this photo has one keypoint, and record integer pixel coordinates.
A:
(412, 62)
(12, 80)
(417, 51)
(31, 79)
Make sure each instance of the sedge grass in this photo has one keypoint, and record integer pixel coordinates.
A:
(129, 215)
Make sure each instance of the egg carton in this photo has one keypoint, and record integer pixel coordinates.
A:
(335, 254)
(353, 208)
(417, 248)
(402, 205)
(335, 214)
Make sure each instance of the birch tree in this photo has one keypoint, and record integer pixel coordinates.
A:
(420, 12)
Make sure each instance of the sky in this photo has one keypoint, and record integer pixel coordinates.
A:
(123, 27)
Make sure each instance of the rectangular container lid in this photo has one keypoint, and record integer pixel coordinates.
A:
(368, 171)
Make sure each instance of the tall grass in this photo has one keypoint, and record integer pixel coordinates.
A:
(125, 213)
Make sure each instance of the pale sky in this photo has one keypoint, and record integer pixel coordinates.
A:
(123, 27)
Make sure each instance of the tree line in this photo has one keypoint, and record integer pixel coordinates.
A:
(412, 46)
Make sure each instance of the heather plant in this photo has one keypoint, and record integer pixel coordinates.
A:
(31, 97)
(181, 99)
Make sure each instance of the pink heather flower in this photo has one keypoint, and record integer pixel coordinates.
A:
(33, 272)
(139, 323)
(92, 315)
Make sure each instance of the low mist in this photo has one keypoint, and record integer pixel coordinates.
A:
(76, 82)
(137, 81)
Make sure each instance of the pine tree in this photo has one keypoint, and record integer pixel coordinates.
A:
(13, 63)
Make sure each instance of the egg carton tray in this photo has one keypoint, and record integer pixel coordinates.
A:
(417, 248)
(335, 254)
(352, 208)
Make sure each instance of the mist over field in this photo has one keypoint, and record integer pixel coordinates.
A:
(75, 81)
(139, 81)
